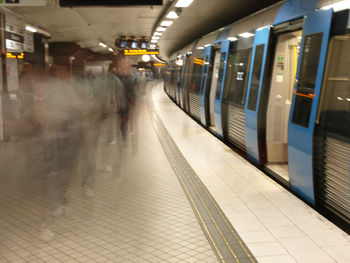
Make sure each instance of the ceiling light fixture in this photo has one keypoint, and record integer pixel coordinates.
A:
(111, 49)
(31, 29)
(146, 58)
(232, 38)
(166, 23)
(152, 46)
(246, 34)
(338, 6)
(155, 37)
(154, 41)
(161, 29)
(102, 45)
(172, 15)
(183, 3)
(157, 33)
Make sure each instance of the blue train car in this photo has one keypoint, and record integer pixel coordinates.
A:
(275, 85)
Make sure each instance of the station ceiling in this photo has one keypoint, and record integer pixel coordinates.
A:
(87, 26)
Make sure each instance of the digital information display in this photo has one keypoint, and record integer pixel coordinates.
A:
(70, 3)
(139, 52)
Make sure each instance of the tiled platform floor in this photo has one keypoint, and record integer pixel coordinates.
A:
(139, 212)
(275, 225)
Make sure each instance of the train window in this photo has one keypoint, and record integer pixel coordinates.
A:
(307, 78)
(335, 105)
(205, 73)
(221, 73)
(197, 74)
(255, 81)
(236, 79)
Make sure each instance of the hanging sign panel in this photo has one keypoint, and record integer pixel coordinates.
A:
(139, 52)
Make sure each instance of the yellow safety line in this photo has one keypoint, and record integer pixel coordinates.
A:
(208, 210)
(238, 239)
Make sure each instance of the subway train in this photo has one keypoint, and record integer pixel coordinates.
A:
(276, 87)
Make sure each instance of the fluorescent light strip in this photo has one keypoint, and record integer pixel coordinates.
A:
(172, 15)
(154, 41)
(154, 37)
(111, 49)
(31, 29)
(183, 3)
(166, 23)
(246, 34)
(232, 38)
(338, 6)
(161, 29)
(157, 34)
(102, 45)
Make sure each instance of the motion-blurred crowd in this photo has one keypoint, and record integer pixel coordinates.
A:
(61, 121)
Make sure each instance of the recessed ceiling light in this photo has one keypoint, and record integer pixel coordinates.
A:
(232, 38)
(154, 41)
(102, 45)
(338, 6)
(172, 15)
(166, 23)
(161, 29)
(31, 29)
(183, 3)
(154, 37)
(246, 34)
(157, 33)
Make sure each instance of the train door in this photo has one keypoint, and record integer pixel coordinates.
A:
(279, 102)
(219, 87)
(212, 88)
(253, 104)
(206, 80)
(332, 133)
(311, 63)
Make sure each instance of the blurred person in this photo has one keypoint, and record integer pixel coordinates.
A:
(99, 109)
(127, 97)
(60, 116)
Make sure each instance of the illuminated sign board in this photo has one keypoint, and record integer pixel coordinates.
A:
(11, 55)
(159, 64)
(140, 52)
(70, 3)
(198, 61)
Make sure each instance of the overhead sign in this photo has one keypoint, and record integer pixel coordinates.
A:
(70, 3)
(14, 38)
(22, 2)
(28, 41)
(140, 52)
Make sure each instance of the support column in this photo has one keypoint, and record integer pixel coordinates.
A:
(4, 96)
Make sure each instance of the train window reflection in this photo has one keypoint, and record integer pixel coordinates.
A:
(255, 81)
(221, 73)
(307, 79)
(335, 105)
(236, 79)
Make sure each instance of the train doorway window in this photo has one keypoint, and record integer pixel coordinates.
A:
(279, 102)
(214, 81)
